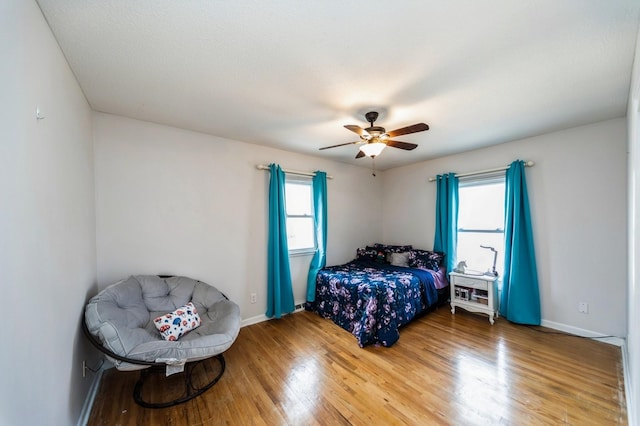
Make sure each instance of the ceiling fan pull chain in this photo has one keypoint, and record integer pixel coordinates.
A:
(373, 169)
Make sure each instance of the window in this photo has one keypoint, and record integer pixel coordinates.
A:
(481, 222)
(300, 228)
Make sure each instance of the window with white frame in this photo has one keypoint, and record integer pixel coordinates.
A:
(300, 227)
(481, 222)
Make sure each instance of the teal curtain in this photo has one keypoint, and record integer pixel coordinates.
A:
(279, 289)
(320, 221)
(446, 235)
(520, 299)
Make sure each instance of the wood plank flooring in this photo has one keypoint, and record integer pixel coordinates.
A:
(445, 369)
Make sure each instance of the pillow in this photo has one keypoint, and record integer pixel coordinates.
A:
(366, 253)
(393, 249)
(381, 256)
(400, 259)
(177, 323)
(424, 259)
(437, 258)
(371, 253)
(388, 249)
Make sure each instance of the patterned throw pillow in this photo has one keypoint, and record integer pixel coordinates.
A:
(381, 256)
(392, 249)
(388, 249)
(177, 323)
(437, 258)
(424, 259)
(366, 253)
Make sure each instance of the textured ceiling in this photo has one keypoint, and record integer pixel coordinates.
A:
(290, 73)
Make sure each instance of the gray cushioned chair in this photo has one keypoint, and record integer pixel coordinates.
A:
(119, 321)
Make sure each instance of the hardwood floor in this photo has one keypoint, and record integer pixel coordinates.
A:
(445, 369)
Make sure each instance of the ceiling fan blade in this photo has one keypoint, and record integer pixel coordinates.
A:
(360, 154)
(342, 144)
(402, 145)
(420, 127)
(356, 129)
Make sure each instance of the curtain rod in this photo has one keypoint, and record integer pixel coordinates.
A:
(293, 172)
(482, 172)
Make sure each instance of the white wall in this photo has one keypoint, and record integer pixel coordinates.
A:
(633, 299)
(171, 201)
(47, 224)
(578, 196)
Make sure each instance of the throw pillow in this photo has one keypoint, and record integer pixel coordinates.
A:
(388, 249)
(175, 324)
(366, 253)
(400, 259)
(424, 259)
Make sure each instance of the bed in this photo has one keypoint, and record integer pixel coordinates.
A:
(381, 290)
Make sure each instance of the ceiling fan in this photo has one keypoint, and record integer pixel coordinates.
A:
(375, 138)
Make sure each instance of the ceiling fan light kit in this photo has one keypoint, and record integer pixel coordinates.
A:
(375, 138)
(372, 149)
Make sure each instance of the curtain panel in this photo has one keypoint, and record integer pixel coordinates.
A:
(520, 298)
(279, 288)
(320, 221)
(446, 234)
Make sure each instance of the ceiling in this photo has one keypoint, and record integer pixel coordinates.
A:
(290, 74)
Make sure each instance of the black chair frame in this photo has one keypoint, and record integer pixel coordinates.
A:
(190, 391)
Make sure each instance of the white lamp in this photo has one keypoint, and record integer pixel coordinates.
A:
(372, 149)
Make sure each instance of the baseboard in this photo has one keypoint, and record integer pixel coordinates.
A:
(90, 399)
(261, 318)
(617, 341)
(253, 320)
(612, 340)
(632, 405)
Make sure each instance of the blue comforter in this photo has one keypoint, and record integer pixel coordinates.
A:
(373, 300)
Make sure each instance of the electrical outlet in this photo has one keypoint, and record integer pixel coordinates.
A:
(583, 307)
(253, 297)
(84, 368)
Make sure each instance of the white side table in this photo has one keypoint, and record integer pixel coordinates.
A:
(474, 293)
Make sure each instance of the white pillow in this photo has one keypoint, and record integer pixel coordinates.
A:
(175, 324)
(400, 259)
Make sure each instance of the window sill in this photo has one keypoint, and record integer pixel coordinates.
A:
(302, 252)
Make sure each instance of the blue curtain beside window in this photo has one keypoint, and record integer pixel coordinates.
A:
(446, 217)
(520, 299)
(320, 221)
(279, 289)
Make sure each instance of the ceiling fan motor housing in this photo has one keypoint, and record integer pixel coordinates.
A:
(374, 132)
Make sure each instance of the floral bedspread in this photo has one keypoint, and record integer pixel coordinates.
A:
(372, 300)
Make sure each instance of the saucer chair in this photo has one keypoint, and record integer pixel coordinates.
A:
(119, 321)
